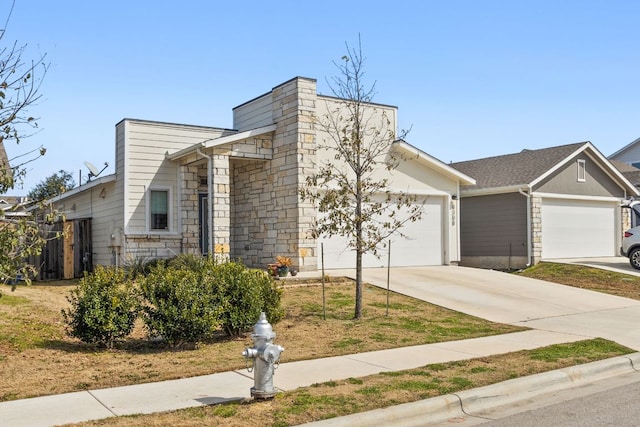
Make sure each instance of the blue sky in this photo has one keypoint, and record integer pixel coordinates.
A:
(471, 78)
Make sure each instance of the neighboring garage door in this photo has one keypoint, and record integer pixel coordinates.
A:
(578, 228)
(422, 246)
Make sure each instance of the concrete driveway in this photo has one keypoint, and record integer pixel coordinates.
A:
(507, 298)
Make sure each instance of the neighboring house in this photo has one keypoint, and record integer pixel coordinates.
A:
(13, 207)
(629, 154)
(235, 192)
(558, 202)
(627, 160)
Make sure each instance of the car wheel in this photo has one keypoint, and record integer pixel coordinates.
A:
(634, 258)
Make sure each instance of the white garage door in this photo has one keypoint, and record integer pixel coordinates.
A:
(578, 228)
(421, 246)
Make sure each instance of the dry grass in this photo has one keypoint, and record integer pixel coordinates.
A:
(337, 398)
(38, 359)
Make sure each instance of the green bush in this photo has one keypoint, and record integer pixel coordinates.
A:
(244, 293)
(179, 305)
(103, 308)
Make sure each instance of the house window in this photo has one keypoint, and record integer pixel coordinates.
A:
(159, 209)
(582, 172)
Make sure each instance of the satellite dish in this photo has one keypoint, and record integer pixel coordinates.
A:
(93, 171)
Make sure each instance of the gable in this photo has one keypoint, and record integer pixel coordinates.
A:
(596, 183)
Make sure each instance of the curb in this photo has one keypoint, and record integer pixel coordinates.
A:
(468, 402)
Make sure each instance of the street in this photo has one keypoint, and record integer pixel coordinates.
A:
(611, 402)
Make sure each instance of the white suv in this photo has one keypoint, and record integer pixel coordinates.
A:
(631, 241)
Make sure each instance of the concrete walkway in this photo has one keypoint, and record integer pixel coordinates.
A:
(557, 313)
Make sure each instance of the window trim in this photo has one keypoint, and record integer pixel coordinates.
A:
(582, 170)
(169, 192)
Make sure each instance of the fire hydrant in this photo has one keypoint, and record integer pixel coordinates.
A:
(266, 356)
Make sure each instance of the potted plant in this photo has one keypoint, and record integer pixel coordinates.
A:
(283, 264)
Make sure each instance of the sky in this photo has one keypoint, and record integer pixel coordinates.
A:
(471, 79)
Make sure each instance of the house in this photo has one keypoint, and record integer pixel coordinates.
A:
(629, 154)
(558, 202)
(627, 160)
(234, 193)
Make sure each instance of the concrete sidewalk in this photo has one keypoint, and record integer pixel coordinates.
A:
(229, 386)
(558, 313)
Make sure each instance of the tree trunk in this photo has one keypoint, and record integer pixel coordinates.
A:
(358, 313)
(359, 247)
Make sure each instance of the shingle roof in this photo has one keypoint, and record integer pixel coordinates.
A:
(632, 173)
(514, 169)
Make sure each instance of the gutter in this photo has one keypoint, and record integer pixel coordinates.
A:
(528, 196)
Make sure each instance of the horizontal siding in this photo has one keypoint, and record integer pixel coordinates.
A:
(147, 144)
(253, 114)
(105, 213)
(493, 225)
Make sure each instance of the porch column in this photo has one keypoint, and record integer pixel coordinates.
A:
(220, 220)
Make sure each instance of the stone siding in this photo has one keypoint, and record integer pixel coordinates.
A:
(152, 246)
(536, 229)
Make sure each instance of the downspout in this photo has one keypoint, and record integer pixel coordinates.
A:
(528, 196)
(209, 201)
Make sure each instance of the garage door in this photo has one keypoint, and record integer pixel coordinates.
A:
(578, 228)
(422, 245)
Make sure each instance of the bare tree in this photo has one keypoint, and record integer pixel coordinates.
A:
(20, 82)
(354, 200)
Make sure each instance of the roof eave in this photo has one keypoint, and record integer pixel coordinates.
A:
(493, 190)
(437, 164)
(216, 142)
(91, 184)
(611, 170)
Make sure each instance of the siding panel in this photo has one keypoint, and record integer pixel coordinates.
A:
(494, 225)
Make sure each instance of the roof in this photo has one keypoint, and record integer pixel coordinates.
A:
(519, 169)
(215, 142)
(528, 167)
(84, 187)
(632, 173)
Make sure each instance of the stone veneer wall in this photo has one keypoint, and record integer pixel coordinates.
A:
(152, 246)
(625, 220)
(251, 211)
(268, 216)
(536, 229)
(189, 209)
(294, 146)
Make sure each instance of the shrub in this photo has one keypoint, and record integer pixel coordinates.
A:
(179, 305)
(244, 293)
(103, 308)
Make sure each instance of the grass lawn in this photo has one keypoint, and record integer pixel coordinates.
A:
(38, 359)
(623, 285)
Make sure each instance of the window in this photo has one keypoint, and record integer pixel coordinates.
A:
(159, 209)
(582, 173)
